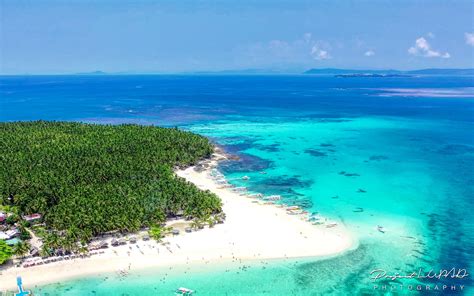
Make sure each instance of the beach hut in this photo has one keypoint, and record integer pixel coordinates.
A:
(175, 231)
(9, 234)
(132, 240)
(188, 229)
(3, 235)
(32, 218)
(114, 242)
(146, 237)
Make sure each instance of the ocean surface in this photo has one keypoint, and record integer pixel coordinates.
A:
(395, 152)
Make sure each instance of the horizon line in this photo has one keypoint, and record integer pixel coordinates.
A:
(250, 71)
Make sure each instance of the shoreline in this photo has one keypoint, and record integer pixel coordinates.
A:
(251, 231)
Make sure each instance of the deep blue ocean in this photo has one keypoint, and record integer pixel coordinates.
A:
(397, 152)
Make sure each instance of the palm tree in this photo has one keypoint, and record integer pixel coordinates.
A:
(5, 252)
(211, 221)
(21, 249)
(156, 232)
(197, 224)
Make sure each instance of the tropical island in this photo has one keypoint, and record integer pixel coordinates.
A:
(388, 72)
(80, 199)
(82, 180)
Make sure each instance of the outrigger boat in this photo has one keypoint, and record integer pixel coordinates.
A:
(272, 197)
(294, 212)
(239, 189)
(255, 195)
(184, 291)
(314, 218)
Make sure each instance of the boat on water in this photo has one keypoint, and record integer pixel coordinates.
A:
(272, 197)
(245, 178)
(184, 291)
(21, 291)
(240, 189)
(314, 218)
(255, 195)
(381, 229)
(294, 212)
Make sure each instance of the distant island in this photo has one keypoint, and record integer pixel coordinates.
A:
(92, 73)
(387, 73)
(371, 75)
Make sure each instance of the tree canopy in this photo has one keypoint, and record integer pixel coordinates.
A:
(86, 179)
(5, 251)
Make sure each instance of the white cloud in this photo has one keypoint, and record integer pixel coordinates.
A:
(423, 48)
(302, 50)
(369, 53)
(469, 38)
(319, 54)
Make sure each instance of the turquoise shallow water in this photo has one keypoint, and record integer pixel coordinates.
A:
(398, 173)
(274, 277)
(344, 148)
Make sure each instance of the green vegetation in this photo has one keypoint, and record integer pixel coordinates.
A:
(5, 252)
(88, 179)
(156, 232)
(21, 249)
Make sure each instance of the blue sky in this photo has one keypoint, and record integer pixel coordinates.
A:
(44, 36)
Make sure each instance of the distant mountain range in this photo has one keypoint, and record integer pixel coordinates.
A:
(92, 73)
(389, 72)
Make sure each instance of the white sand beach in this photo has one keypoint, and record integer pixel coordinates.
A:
(251, 231)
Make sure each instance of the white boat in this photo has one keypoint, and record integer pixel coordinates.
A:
(184, 291)
(245, 178)
(272, 197)
(314, 218)
(255, 195)
(294, 212)
(237, 189)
